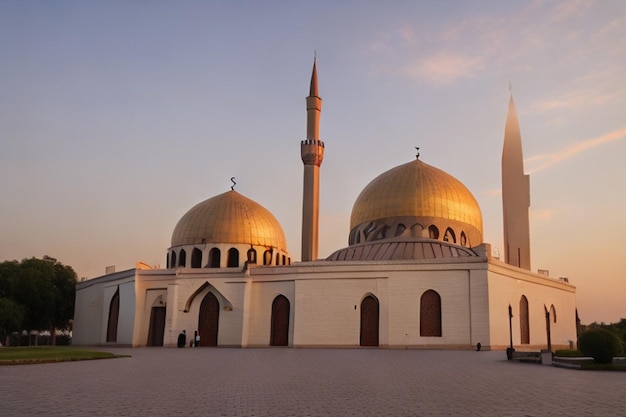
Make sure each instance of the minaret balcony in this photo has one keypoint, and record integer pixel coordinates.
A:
(312, 151)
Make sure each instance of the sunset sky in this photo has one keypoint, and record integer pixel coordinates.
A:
(118, 117)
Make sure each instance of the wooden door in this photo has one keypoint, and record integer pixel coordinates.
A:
(157, 326)
(280, 322)
(369, 321)
(208, 320)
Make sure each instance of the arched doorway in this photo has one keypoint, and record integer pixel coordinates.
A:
(430, 314)
(369, 321)
(114, 313)
(208, 320)
(279, 335)
(157, 326)
(524, 324)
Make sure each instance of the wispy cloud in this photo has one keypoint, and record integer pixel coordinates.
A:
(510, 42)
(570, 8)
(578, 99)
(544, 161)
(444, 68)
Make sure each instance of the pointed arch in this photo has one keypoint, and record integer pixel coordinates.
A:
(370, 311)
(208, 320)
(433, 232)
(196, 258)
(114, 313)
(449, 236)
(400, 229)
(233, 258)
(200, 290)
(524, 322)
(182, 258)
(279, 333)
(214, 258)
(430, 314)
(173, 260)
(463, 239)
(267, 257)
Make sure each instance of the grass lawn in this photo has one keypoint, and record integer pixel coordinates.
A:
(46, 354)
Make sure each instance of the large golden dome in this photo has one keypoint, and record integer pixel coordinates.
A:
(229, 218)
(422, 193)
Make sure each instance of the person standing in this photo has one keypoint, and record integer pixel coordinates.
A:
(182, 339)
(196, 338)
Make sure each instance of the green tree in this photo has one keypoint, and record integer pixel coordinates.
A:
(43, 288)
(11, 318)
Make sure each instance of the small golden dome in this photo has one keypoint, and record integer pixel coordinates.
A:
(229, 218)
(417, 190)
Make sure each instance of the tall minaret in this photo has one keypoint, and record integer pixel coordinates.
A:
(515, 195)
(312, 152)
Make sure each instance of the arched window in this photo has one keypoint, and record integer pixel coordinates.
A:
(173, 260)
(433, 232)
(524, 323)
(400, 229)
(430, 314)
(267, 257)
(167, 261)
(284, 260)
(182, 259)
(214, 258)
(449, 236)
(251, 256)
(416, 230)
(196, 258)
(114, 313)
(233, 258)
(463, 239)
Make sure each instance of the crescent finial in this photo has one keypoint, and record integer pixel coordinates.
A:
(232, 187)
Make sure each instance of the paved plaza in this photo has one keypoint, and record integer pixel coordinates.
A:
(307, 382)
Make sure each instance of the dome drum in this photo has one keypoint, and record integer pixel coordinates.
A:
(224, 255)
(451, 231)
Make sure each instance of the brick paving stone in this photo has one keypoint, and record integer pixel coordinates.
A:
(307, 382)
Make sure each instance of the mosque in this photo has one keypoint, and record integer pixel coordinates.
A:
(415, 274)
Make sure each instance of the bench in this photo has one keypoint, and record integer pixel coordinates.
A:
(527, 356)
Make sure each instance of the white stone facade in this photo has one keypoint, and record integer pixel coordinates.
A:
(325, 300)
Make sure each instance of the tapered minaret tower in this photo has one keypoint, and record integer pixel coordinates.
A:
(312, 152)
(515, 195)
